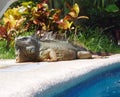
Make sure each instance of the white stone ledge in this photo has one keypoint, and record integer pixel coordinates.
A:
(48, 78)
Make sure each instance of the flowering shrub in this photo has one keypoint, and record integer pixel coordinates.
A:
(39, 16)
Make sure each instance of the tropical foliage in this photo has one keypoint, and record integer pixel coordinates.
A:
(101, 12)
(38, 17)
(63, 17)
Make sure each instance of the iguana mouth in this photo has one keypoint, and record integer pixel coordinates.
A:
(23, 55)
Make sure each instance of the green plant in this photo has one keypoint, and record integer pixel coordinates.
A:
(100, 12)
(96, 40)
(12, 21)
(39, 18)
(44, 19)
(6, 53)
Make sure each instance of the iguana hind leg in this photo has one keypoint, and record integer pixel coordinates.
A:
(84, 55)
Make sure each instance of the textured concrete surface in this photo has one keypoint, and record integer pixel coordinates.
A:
(48, 78)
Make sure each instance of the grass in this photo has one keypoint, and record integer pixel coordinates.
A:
(6, 53)
(97, 41)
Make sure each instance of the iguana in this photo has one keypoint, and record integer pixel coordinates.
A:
(29, 48)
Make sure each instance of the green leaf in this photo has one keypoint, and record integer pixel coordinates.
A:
(112, 8)
(27, 4)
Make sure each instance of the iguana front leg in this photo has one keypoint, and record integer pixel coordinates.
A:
(48, 55)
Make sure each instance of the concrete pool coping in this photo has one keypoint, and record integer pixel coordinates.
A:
(48, 78)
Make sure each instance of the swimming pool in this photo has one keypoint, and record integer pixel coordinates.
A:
(105, 84)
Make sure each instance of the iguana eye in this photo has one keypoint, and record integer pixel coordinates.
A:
(24, 39)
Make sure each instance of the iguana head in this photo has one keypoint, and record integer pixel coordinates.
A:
(27, 48)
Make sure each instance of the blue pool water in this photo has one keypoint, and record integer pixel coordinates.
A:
(106, 84)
